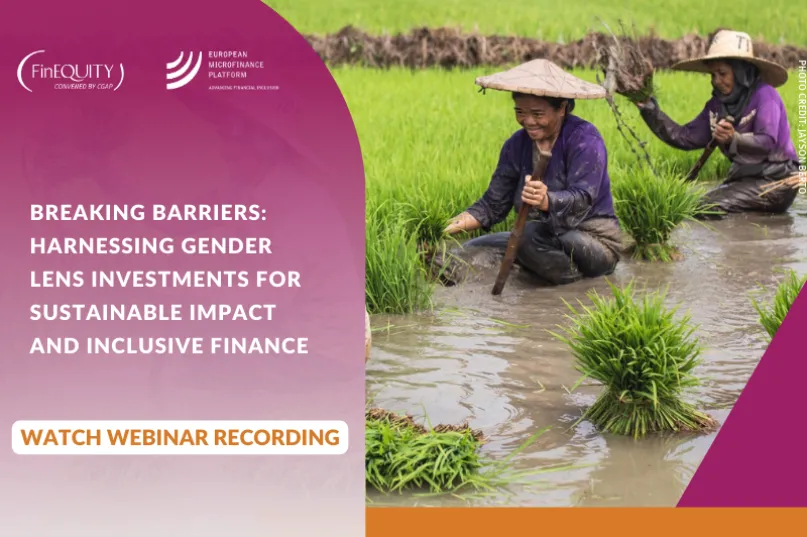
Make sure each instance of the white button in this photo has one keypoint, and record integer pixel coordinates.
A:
(87, 437)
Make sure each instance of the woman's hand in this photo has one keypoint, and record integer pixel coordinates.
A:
(534, 194)
(724, 131)
(462, 222)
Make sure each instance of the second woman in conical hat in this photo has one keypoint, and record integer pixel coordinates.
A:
(758, 143)
(572, 231)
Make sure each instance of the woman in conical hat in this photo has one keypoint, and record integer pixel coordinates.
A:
(572, 231)
(758, 143)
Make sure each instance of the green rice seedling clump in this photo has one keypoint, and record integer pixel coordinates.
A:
(644, 357)
(396, 281)
(650, 208)
(772, 315)
(401, 456)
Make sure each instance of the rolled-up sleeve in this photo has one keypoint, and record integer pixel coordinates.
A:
(497, 201)
(694, 135)
(586, 170)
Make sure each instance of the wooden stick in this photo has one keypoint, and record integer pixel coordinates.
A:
(518, 228)
(710, 148)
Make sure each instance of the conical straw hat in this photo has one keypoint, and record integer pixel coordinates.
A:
(544, 79)
(735, 45)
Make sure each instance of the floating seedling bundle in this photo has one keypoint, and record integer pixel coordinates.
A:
(645, 359)
(404, 456)
(401, 454)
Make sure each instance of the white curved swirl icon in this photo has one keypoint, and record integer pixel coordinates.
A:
(185, 73)
(22, 64)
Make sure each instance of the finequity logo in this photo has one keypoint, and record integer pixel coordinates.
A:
(69, 76)
(182, 76)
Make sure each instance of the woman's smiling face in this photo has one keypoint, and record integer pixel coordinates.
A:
(538, 117)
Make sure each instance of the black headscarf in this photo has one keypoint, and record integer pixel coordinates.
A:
(746, 77)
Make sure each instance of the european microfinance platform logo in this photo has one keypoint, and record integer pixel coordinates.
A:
(224, 70)
(36, 71)
(181, 75)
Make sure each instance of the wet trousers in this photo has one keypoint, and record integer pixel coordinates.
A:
(559, 260)
(744, 196)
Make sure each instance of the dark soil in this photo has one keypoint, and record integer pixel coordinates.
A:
(451, 48)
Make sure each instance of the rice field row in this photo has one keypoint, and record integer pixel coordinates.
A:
(430, 141)
(780, 22)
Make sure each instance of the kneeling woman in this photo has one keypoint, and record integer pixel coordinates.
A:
(758, 143)
(572, 231)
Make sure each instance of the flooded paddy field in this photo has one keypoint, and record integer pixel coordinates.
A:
(490, 361)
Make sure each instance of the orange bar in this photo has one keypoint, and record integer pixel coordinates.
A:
(656, 522)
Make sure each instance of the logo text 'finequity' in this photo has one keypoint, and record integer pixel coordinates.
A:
(182, 76)
(69, 76)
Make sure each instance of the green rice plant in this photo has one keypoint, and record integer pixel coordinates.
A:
(402, 456)
(645, 359)
(396, 279)
(650, 208)
(565, 21)
(772, 315)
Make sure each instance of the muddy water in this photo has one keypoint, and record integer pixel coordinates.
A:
(459, 364)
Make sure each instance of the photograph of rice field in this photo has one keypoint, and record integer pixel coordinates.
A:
(607, 391)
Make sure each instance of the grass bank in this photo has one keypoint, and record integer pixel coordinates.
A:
(445, 47)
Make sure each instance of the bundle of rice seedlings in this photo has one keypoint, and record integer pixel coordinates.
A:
(771, 316)
(650, 208)
(645, 359)
(402, 455)
(628, 72)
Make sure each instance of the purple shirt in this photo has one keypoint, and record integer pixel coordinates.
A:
(577, 180)
(762, 132)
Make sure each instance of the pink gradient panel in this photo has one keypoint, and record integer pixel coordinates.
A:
(294, 152)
